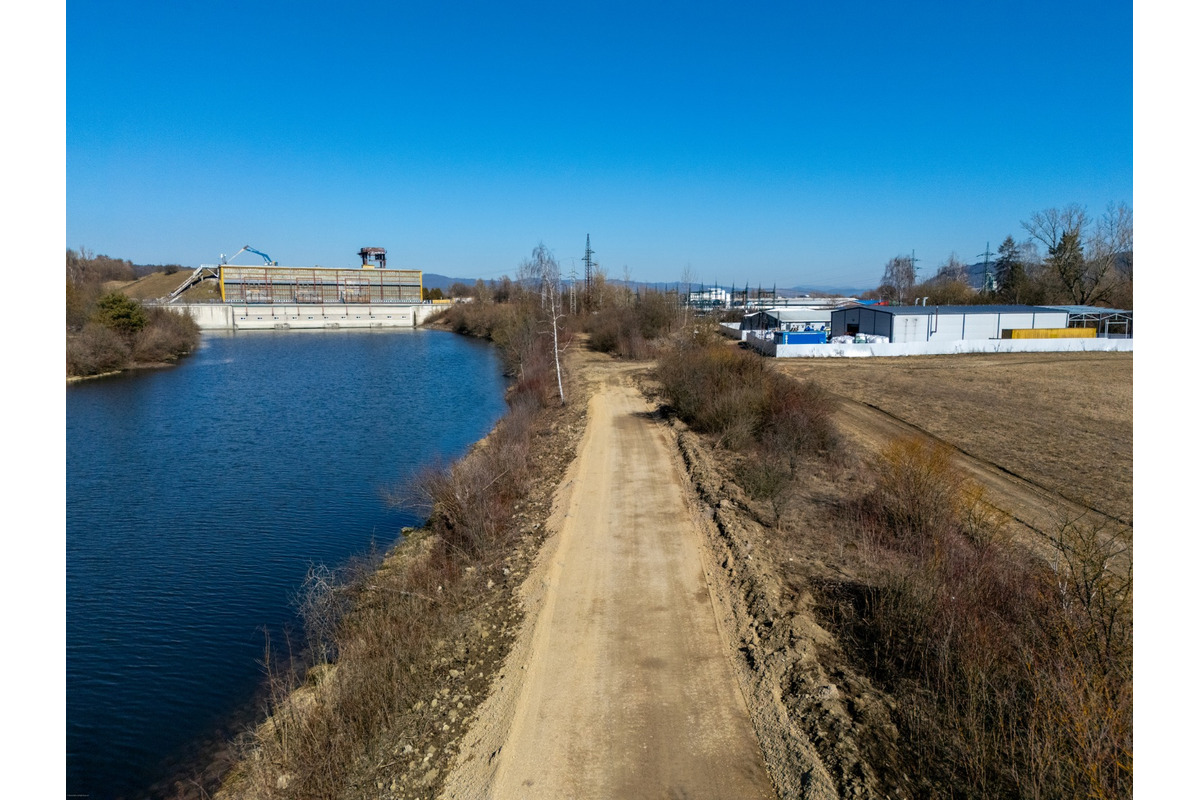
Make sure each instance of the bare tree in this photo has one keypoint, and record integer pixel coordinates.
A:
(899, 276)
(952, 270)
(1087, 265)
(1048, 226)
(543, 269)
(1111, 242)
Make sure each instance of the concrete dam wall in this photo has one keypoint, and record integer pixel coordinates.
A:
(249, 316)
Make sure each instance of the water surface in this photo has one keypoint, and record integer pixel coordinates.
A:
(197, 498)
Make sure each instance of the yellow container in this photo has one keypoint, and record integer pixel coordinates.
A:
(1050, 333)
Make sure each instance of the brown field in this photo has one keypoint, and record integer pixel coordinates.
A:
(1063, 422)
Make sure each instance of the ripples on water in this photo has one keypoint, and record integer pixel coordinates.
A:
(198, 496)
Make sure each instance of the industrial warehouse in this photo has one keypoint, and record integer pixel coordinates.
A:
(880, 330)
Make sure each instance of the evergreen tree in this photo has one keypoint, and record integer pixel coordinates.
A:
(120, 313)
(1010, 272)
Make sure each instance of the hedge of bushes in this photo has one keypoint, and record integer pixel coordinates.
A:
(114, 332)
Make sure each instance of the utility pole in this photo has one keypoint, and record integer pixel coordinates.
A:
(573, 282)
(912, 262)
(989, 280)
(587, 273)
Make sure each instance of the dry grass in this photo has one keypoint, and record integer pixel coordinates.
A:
(1007, 674)
(1064, 420)
(155, 285)
(1011, 676)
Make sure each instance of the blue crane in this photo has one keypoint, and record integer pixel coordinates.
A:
(248, 249)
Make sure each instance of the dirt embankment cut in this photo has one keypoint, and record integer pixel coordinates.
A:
(826, 730)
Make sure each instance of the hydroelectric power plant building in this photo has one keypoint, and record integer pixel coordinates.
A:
(268, 296)
(267, 284)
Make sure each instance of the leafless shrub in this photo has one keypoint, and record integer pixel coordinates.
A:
(167, 335)
(322, 602)
(733, 395)
(466, 512)
(1012, 676)
(635, 330)
(768, 480)
(715, 390)
(95, 350)
(797, 419)
(917, 490)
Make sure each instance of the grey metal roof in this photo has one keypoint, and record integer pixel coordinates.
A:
(1096, 310)
(799, 314)
(997, 309)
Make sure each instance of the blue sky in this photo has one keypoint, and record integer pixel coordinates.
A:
(788, 143)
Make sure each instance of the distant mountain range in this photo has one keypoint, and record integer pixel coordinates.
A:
(835, 291)
(432, 280)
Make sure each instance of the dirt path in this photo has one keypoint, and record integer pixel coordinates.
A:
(621, 683)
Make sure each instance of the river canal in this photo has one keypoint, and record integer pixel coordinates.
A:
(197, 498)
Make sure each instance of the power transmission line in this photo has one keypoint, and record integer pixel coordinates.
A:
(989, 280)
(587, 272)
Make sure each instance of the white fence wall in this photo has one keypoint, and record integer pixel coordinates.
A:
(941, 348)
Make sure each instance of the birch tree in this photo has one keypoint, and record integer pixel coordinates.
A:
(542, 269)
(899, 277)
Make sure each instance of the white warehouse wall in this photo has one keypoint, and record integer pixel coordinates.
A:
(942, 326)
